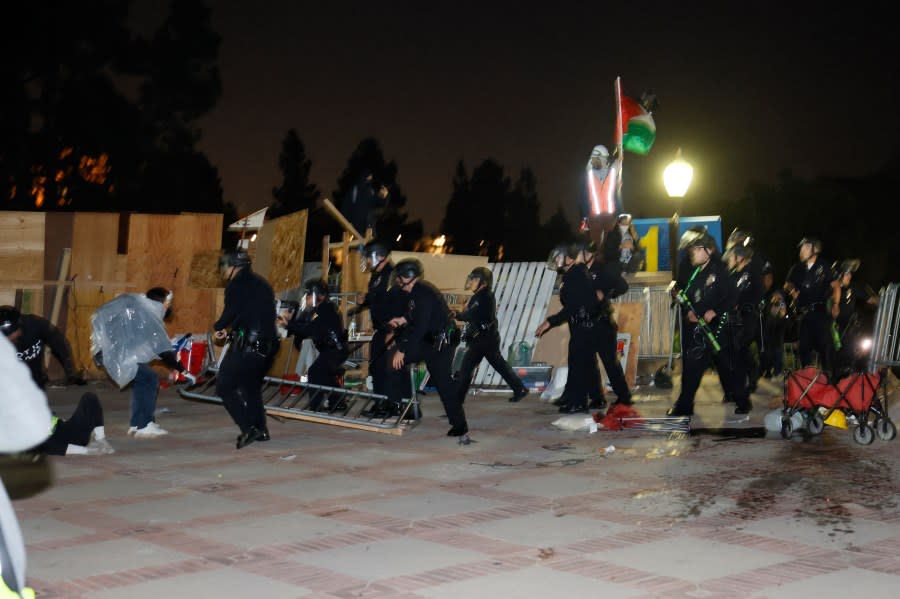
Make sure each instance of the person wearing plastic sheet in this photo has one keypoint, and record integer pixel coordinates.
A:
(708, 296)
(811, 284)
(745, 318)
(580, 308)
(145, 388)
(855, 297)
(320, 321)
(249, 312)
(31, 335)
(608, 285)
(24, 423)
(483, 335)
(384, 302)
(425, 333)
(83, 432)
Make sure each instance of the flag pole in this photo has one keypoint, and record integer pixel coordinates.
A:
(619, 134)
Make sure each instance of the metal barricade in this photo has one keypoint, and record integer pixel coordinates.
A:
(886, 334)
(661, 319)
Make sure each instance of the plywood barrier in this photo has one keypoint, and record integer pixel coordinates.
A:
(279, 250)
(21, 256)
(205, 273)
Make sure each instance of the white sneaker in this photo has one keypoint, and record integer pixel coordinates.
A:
(132, 430)
(99, 447)
(151, 431)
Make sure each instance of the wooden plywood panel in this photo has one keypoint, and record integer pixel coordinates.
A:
(83, 301)
(629, 317)
(58, 228)
(205, 271)
(22, 257)
(95, 238)
(447, 272)
(279, 250)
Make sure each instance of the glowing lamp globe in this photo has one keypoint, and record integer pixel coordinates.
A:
(677, 177)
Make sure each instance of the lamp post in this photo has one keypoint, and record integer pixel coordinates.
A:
(677, 179)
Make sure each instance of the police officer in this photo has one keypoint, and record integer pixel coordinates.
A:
(579, 308)
(708, 294)
(250, 314)
(811, 283)
(384, 302)
(609, 284)
(753, 269)
(424, 334)
(745, 318)
(320, 321)
(31, 335)
(483, 336)
(854, 296)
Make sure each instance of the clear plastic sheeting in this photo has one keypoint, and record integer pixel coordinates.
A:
(129, 330)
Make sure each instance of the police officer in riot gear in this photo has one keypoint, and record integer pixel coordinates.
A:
(609, 284)
(320, 321)
(425, 334)
(706, 299)
(384, 302)
(753, 268)
(249, 313)
(745, 318)
(811, 283)
(580, 307)
(483, 336)
(854, 297)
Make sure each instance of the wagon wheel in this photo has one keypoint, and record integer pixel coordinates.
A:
(885, 429)
(816, 424)
(863, 434)
(786, 428)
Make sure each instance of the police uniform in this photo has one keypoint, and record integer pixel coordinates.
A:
(708, 287)
(848, 323)
(813, 284)
(483, 341)
(425, 338)
(250, 312)
(745, 328)
(608, 280)
(323, 325)
(579, 308)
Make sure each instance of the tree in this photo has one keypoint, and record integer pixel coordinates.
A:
(522, 224)
(474, 218)
(556, 230)
(296, 192)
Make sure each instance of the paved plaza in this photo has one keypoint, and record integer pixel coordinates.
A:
(526, 511)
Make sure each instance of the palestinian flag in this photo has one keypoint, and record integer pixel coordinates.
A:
(638, 128)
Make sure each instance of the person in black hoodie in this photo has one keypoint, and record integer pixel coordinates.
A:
(483, 336)
(31, 335)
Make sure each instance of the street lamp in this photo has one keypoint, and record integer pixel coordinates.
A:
(677, 176)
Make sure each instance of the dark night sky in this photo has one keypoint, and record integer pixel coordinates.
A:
(744, 91)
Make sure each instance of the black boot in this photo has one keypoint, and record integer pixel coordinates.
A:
(518, 395)
(249, 436)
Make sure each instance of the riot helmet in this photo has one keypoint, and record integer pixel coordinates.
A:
(483, 275)
(697, 236)
(373, 254)
(739, 237)
(235, 258)
(767, 269)
(849, 266)
(581, 246)
(814, 242)
(315, 290)
(409, 268)
(557, 259)
(10, 320)
(740, 251)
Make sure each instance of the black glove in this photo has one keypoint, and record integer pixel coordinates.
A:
(75, 379)
(354, 311)
(98, 359)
